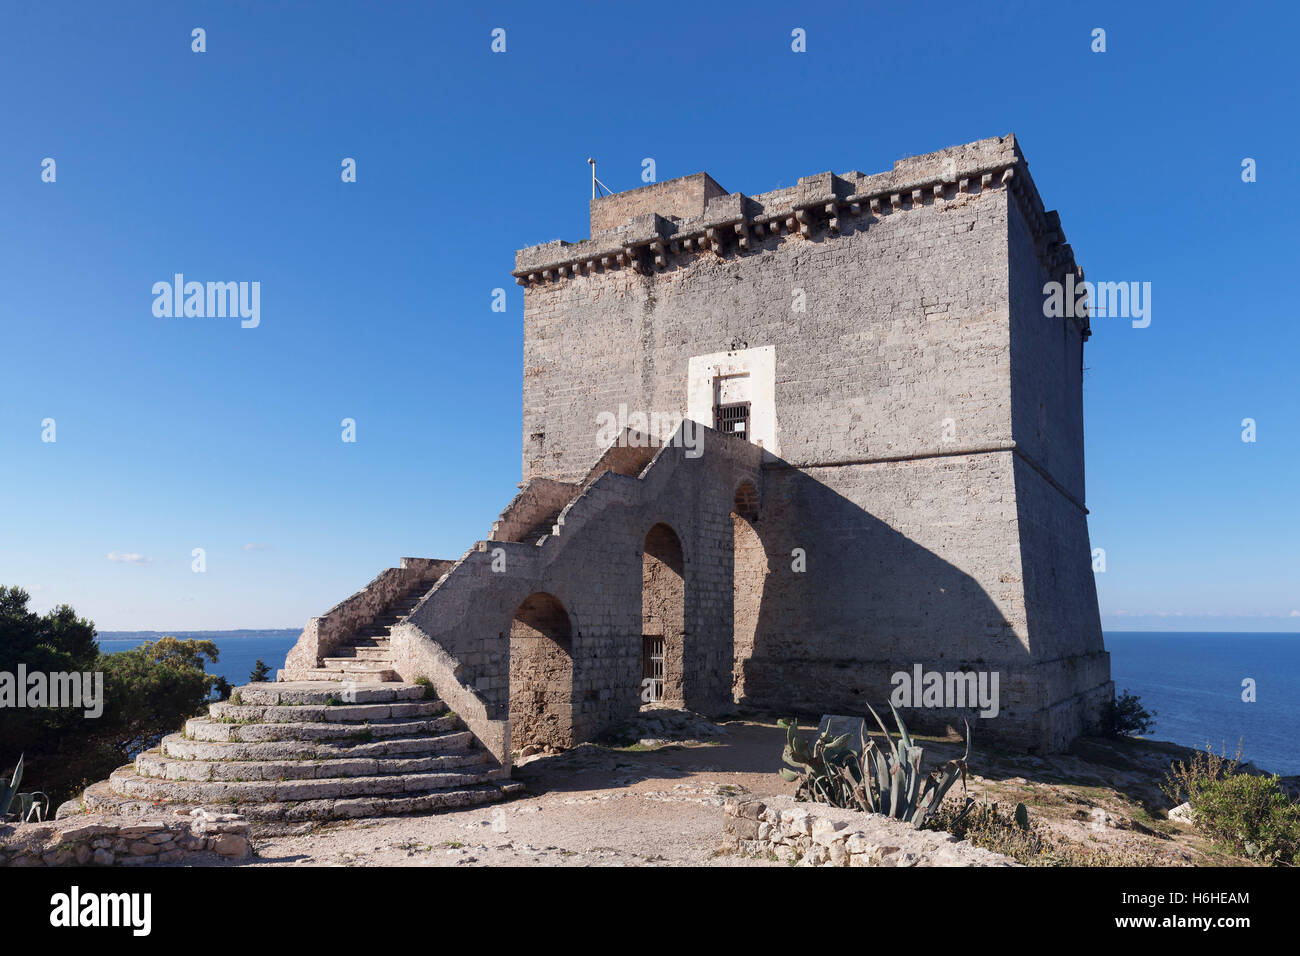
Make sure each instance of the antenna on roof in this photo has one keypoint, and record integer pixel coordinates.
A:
(596, 184)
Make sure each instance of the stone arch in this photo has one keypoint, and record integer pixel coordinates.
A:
(749, 575)
(541, 673)
(745, 501)
(663, 608)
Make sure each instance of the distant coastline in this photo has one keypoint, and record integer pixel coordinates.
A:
(239, 650)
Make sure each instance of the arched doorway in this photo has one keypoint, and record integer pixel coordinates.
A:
(663, 617)
(541, 673)
(749, 571)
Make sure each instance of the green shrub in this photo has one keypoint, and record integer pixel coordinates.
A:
(1028, 842)
(1248, 813)
(1126, 717)
(149, 691)
(986, 826)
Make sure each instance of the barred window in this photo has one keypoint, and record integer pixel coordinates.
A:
(652, 665)
(732, 419)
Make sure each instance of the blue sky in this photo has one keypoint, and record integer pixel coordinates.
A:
(176, 434)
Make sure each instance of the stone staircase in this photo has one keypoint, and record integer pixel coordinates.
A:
(365, 658)
(285, 753)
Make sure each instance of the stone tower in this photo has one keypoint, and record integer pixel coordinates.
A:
(883, 339)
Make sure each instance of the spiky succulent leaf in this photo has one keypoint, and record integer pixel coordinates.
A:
(902, 727)
(8, 792)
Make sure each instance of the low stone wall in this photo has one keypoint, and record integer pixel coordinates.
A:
(538, 500)
(814, 834)
(198, 837)
(325, 634)
(415, 655)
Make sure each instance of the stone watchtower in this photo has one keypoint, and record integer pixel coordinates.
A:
(886, 482)
(883, 339)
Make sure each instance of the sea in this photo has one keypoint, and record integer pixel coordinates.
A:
(1193, 681)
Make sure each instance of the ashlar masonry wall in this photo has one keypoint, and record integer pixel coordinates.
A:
(928, 419)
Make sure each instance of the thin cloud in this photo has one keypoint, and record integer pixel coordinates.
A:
(128, 557)
(257, 547)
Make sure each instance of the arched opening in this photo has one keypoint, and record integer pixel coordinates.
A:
(541, 674)
(663, 617)
(749, 570)
(746, 501)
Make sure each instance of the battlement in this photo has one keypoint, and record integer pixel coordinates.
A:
(686, 197)
(655, 226)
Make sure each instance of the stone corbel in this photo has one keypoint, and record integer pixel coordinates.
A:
(832, 219)
(742, 235)
(804, 219)
(657, 248)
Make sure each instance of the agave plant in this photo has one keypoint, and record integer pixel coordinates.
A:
(818, 768)
(31, 806)
(874, 778)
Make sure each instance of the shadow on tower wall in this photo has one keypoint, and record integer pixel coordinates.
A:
(871, 603)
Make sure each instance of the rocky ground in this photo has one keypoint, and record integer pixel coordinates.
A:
(653, 796)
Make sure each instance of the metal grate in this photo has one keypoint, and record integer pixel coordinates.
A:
(732, 419)
(652, 666)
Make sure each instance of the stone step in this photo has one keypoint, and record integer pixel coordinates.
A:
(352, 663)
(365, 743)
(322, 713)
(282, 693)
(207, 729)
(270, 818)
(362, 653)
(156, 766)
(128, 783)
(335, 674)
